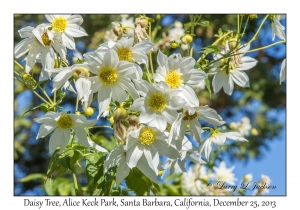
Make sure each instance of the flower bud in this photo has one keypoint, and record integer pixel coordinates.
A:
(118, 31)
(248, 177)
(88, 111)
(186, 39)
(143, 21)
(174, 44)
(26, 76)
(233, 126)
(254, 132)
(77, 113)
(120, 114)
(252, 16)
(111, 120)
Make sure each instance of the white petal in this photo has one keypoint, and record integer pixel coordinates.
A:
(55, 140)
(146, 170)
(46, 128)
(75, 30)
(104, 98)
(240, 78)
(82, 136)
(161, 58)
(164, 149)
(122, 172)
(247, 63)
(110, 59)
(75, 19)
(133, 155)
(282, 74)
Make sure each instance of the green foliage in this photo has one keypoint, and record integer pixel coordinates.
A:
(210, 49)
(140, 184)
(31, 177)
(99, 183)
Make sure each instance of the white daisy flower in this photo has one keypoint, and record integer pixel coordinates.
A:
(62, 124)
(282, 71)
(82, 84)
(68, 26)
(191, 118)
(192, 180)
(244, 126)
(127, 52)
(218, 139)
(118, 157)
(277, 28)
(158, 106)
(178, 165)
(112, 80)
(231, 70)
(39, 40)
(265, 181)
(224, 174)
(150, 143)
(177, 32)
(179, 72)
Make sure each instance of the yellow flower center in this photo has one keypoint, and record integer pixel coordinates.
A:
(108, 76)
(59, 24)
(187, 116)
(45, 39)
(147, 136)
(173, 79)
(214, 132)
(82, 72)
(64, 121)
(125, 54)
(157, 102)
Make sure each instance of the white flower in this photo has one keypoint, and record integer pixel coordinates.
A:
(277, 28)
(218, 139)
(39, 40)
(178, 165)
(158, 106)
(128, 24)
(150, 143)
(179, 72)
(264, 183)
(244, 126)
(83, 83)
(192, 180)
(282, 71)
(231, 71)
(118, 156)
(177, 32)
(68, 26)
(112, 80)
(224, 174)
(190, 117)
(248, 178)
(62, 124)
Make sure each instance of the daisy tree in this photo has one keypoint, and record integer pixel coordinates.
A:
(143, 104)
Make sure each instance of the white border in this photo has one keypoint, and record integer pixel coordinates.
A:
(8, 8)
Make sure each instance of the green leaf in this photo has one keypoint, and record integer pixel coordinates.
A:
(140, 184)
(94, 170)
(210, 49)
(204, 23)
(207, 82)
(34, 108)
(31, 177)
(187, 26)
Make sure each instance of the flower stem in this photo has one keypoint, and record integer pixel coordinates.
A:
(54, 100)
(192, 32)
(148, 74)
(150, 53)
(258, 30)
(45, 93)
(75, 183)
(38, 95)
(16, 62)
(101, 126)
(245, 27)
(261, 48)
(76, 108)
(238, 23)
